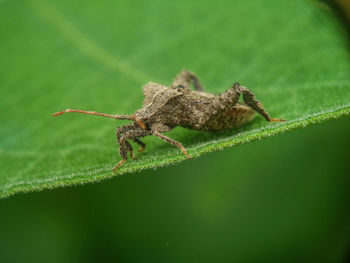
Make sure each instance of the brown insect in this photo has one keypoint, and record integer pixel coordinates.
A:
(164, 108)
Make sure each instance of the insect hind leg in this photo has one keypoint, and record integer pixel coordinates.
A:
(184, 80)
(250, 100)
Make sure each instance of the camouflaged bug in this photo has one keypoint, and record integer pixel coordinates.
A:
(164, 108)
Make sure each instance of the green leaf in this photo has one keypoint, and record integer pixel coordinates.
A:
(96, 55)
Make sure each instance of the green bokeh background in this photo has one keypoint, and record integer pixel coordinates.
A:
(284, 199)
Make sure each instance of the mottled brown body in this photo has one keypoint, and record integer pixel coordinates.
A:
(164, 108)
(173, 106)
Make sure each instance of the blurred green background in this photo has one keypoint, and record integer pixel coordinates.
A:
(284, 199)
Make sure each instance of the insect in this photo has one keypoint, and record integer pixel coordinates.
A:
(164, 108)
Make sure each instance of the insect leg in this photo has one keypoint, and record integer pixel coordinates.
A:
(250, 100)
(130, 134)
(123, 151)
(119, 131)
(185, 78)
(172, 141)
(139, 142)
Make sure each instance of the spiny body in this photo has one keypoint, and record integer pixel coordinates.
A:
(165, 108)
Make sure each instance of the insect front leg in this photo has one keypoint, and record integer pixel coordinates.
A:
(124, 148)
(141, 143)
(120, 131)
(184, 80)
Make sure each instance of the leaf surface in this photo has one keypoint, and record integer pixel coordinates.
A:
(96, 55)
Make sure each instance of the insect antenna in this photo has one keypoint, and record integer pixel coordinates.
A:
(118, 117)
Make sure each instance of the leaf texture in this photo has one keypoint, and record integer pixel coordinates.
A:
(294, 55)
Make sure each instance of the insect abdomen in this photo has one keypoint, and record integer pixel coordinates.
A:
(230, 118)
